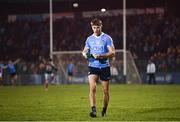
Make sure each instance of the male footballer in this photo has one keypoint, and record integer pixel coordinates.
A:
(99, 48)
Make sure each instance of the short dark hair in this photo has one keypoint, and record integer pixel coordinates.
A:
(96, 22)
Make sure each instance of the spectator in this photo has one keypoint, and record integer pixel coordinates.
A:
(151, 70)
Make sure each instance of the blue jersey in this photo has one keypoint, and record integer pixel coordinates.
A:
(99, 45)
(11, 68)
(70, 67)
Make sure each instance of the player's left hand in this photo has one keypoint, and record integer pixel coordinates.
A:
(98, 56)
(85, 54)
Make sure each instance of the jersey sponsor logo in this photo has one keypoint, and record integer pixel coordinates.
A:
(97, 49)
(99, 42)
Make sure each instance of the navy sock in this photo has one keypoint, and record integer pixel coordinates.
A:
(104, 109)
(93, 108)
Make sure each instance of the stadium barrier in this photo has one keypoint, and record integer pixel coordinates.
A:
(38, 79)
(164, 78)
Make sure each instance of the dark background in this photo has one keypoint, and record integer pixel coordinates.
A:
(42, 6)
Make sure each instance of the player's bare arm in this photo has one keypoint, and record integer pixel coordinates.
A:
(16, 61)
(85, 52)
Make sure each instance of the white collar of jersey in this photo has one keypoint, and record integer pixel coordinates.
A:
(99, 35)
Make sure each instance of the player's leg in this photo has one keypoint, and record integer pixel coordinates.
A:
(153, 78)
(70, 75)
(16, 78)
(105, 77)
(46, 82)
(105, 85)
(13, 79)
(1, 79)
(52, 78)
(149, 78)
(92, 93)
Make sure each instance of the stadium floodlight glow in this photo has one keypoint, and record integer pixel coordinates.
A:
(75, 5)
(103, 10)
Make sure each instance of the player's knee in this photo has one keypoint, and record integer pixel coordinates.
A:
(93, 90)
(106, 92)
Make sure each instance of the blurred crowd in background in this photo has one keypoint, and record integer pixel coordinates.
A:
(148, 36)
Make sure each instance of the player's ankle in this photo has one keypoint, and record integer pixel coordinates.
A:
(103, 113)
(93, 108)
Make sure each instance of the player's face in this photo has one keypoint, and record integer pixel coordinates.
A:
(97, 29)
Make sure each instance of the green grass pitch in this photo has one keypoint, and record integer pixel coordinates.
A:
(71, 103)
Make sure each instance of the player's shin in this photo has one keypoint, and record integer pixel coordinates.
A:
(105, 102)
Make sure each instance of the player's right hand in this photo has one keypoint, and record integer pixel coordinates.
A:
(85, 55)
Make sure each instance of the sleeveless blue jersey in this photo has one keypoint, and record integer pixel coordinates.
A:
(98, 45)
